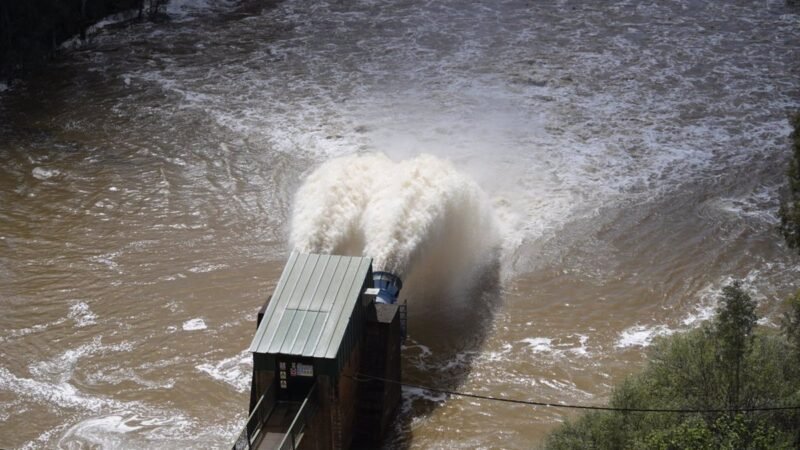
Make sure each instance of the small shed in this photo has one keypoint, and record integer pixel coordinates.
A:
(316, 314)
(318, 338)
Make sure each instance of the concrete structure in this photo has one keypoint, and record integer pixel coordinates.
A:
(318, 335)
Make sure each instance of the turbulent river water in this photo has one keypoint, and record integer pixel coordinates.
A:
(632, 153)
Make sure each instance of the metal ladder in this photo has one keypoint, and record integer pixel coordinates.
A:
(403, 311)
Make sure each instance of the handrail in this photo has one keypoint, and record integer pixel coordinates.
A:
(403, 321)
(295, 432)
(251, 429)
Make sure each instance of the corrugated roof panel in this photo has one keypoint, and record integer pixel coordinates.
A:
(306, 279)
(319, 285)
(303, 333)
(285, 346)
(332, 293)
(281, 331)
(336, 285)
(312, 306)
(335, 316)
(328, 281)
(269, 314)
(314, 335)
(340, 317)
(277, 306)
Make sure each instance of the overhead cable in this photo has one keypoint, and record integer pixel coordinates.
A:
(367, 378)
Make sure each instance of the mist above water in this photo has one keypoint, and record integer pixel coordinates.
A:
(395, 212)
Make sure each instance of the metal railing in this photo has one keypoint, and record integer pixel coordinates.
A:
(252, 428)
(403, 321)
(298, 427)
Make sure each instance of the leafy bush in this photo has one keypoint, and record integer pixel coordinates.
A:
(790, 323)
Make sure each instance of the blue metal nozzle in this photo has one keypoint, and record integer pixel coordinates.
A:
(388, 285)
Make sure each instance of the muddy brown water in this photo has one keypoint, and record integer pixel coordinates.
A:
(634, 152)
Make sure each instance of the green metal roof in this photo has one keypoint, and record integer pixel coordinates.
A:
(315, 308)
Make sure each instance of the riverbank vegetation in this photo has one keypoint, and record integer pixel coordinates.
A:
(723, 370)
(32, 30)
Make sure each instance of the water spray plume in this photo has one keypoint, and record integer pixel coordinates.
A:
(395, 212)
(329, 205)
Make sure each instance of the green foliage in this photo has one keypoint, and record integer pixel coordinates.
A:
(694, 433)
(736, 317)
(790, 206)
(790, 323)
(698, 370)
(725, 433)
(733, 329)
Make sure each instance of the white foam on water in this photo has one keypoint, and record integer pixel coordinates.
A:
(43, 173)
(64, 394)
(560, 347)
(136, 427)
(499, 355)
(459, 361)
(235, 371)
(127, 375)
(51, 381)
(538, 345)
(701, 313)
(108, 260)
(113, 19)
(76, 41)
(59, 369)
(108, 424)
(565, 387)
(415, 393)
(38, 328)
(207, 267)
(99, 420)
(708, 297)
(582, 349)
(45, 437)
(194, 325)
(761, 204)
(82, 315)
(641, 336)
(183, 10)
(411, 346)
(417, 354)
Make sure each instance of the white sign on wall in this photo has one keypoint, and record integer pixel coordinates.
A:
(305, 370)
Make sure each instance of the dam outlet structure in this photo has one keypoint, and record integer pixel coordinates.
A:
(326, 338)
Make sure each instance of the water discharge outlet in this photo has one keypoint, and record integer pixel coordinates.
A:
(388, 286)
